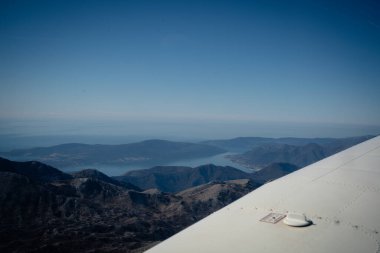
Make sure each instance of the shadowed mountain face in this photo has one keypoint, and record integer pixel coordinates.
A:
(273, 171)
(177, 178)
(97, 175)
(34, 170)
(174, 179)
(267, 151)
(146, 152)
(90, 212)
(267, 154)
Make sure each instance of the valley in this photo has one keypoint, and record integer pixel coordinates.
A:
(45, 209)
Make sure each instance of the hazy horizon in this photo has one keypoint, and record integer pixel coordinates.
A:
(46, 133)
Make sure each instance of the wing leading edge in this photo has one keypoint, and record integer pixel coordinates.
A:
(336, 201)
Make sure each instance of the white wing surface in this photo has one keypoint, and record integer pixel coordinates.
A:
(330, 206)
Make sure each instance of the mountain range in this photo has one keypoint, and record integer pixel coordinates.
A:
(178, 178)
(250, 152)
(45, 210)
(267, 154)
(146, 152)
(297, 151)
(243, 144)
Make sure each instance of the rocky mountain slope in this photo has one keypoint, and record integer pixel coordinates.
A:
(90, 212)
(97, 175)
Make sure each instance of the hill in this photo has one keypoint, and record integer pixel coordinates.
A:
(175, 178)
(146, 152)
(34, 170)
(301, 152)
(97, 175)
(178, 178)
(267, 154)
(273, 171)
(243, 144)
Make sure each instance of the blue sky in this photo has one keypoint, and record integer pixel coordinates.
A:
(184, 67)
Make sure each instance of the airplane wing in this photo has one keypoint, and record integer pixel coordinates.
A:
(330, 206)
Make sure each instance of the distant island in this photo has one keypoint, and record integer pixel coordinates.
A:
(150, 152)
(250, 152)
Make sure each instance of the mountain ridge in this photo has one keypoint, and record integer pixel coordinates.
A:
(89, 211)
(243, 144)
(145, 152)
(266, 154)
(177, 178)
(33, 169)
(174, 179)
